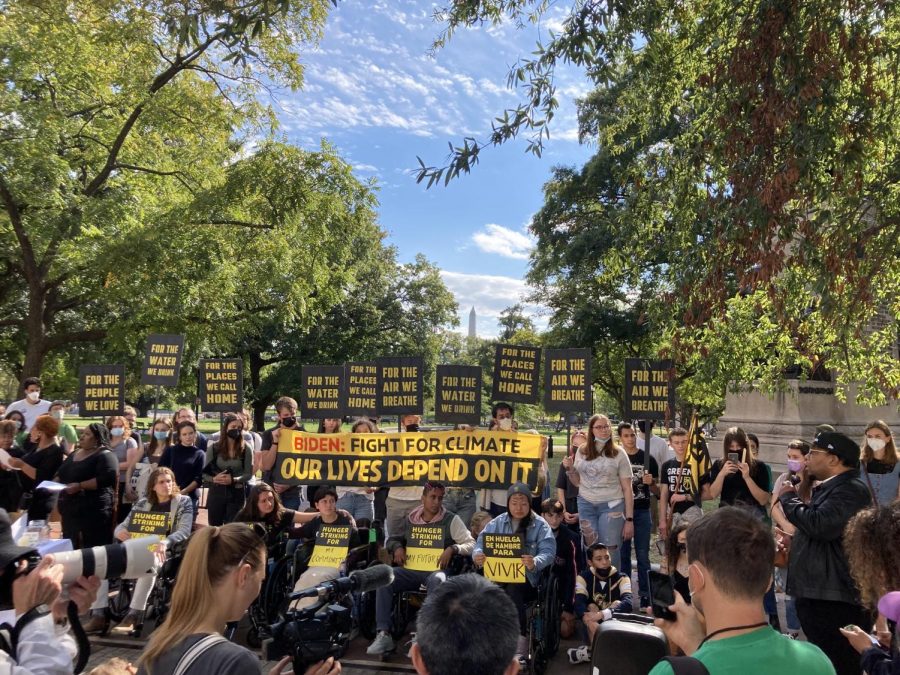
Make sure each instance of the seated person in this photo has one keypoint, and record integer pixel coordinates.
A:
(324, 501)
(599, 591)
(564, 564)
(540, 550)
(163, 496)
(456, 539)
(478, 522)
(264, 506)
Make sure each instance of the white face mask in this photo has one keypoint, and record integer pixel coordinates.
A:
(57, 414)
(876, 443)
(505, 423)
(33, 396)
(600, 442)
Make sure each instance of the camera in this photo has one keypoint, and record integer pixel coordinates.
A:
(308, 638)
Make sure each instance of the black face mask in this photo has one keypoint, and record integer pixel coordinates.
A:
(412, 427)
(603, 573)
(234, 434)
(288, 421)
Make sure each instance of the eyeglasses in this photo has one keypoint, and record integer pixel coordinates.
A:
(601, 426)
(824, 452)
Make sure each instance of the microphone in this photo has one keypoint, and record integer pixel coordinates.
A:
(361, 581)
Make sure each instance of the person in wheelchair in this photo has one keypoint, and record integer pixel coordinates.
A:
(163, 496)
(264, 506)
(564, 564)
(453, 539)
(324, 501)
(600, 590)
(539, 547)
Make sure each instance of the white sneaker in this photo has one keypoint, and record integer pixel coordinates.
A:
(410, 644)
(382, 644)
(580, 654)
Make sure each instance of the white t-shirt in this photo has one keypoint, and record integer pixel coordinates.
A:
(31, 411)
(599, 479)
(659, 449)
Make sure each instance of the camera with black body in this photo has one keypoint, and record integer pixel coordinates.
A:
(312, 634)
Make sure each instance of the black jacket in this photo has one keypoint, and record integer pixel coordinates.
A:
(818, 567)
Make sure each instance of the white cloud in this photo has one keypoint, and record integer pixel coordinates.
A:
(504, 241)
(490, 294)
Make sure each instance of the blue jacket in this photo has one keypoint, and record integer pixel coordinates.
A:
(539, 542)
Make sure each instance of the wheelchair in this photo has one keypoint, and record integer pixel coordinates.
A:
(278, 584)
(543, 616)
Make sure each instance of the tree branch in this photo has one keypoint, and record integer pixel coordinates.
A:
(54, 341)
(239, 223)
(156, 172)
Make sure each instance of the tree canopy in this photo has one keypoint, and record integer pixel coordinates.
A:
(744, 200)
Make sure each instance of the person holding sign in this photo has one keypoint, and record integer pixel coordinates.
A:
(286, 407)
(502, 419)
(359, 501)
(539, 551)
(401, 500)
(676, 495)
(602, 472)
(600, 590)
(229, 465)
(431, 537)
(334, 533)
(176, 512)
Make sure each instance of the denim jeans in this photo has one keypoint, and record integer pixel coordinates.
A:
(607, 521)
(643, 526)
(359, 506)
(404, 580)
(461, 501)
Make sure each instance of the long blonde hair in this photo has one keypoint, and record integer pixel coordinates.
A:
(213, 554)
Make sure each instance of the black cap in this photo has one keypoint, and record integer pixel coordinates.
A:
(9, 551)
(838, 444)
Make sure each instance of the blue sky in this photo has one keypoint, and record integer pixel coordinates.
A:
(373, 91)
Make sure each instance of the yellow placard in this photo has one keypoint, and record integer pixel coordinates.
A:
(424, 546)
(503, 558)
(332, 544)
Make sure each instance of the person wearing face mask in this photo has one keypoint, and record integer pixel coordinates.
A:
(602, 472)
(21, 435)
(819, 575)
(286, 407)
(796, 472)
(126, 451)
(229, 465)
(32, 405)
(138, 473)
(600, 590)
(502, 419)
(730, 554)
(880, 465)
(68, 437)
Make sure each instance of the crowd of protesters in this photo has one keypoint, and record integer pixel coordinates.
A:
(830, 523)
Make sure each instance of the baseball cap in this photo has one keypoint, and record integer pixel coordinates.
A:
(838, 444)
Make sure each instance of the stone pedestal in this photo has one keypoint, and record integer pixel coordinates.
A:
(795, 413)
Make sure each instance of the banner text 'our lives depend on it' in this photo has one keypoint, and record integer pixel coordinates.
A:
(475, 459)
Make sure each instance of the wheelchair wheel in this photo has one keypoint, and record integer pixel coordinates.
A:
(278, 586)
(365, 614)
(552, 613)
(537, 656)
(121, 591)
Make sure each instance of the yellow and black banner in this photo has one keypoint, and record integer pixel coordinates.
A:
(145, 523)
(649, 389)
(321, 389)
(101, 391)
(221, 385)
(332, 544)
(361, 382)
(516, 373)
(475, 459)
(457, 395)
(567, 381)
(424, 546)
(162, 360)
(503, 558)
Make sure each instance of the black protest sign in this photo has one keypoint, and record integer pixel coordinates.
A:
(361, 387)
(400, 384)
(221, 385)
(516, 373)
(649, 389)
(146, 523)
(457, 395)
(332, 544)
(567, 380)
(162, 360)
(101, 391)
(321, 389)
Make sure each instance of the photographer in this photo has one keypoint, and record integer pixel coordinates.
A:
(220, 576)
(730, 555)
(43, 645)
